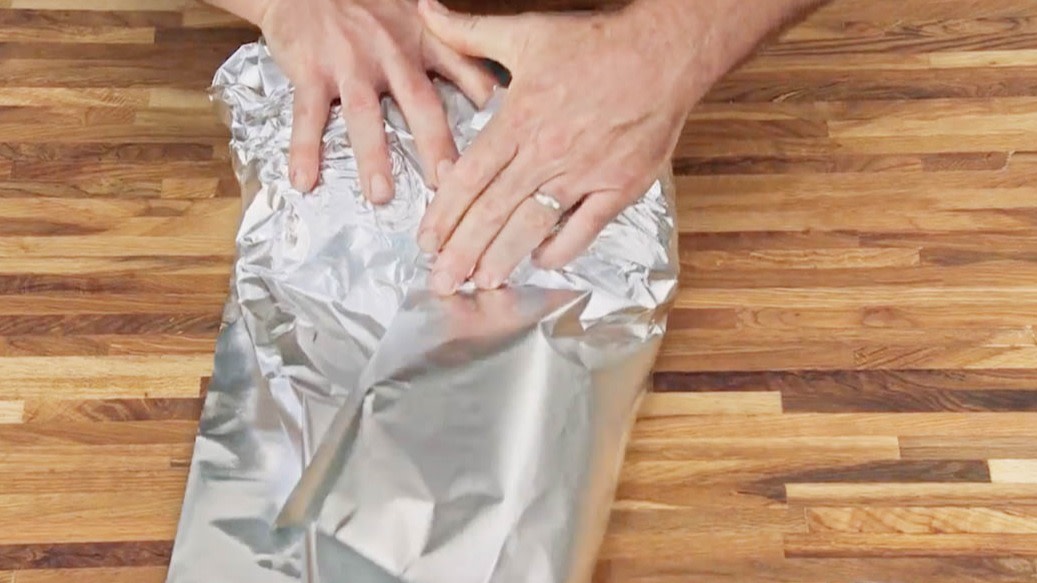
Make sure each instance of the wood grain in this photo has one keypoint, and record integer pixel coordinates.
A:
(848, 391)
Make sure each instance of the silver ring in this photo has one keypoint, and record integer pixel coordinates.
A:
(547, 201)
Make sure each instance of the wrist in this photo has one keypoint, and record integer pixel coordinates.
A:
(705, 39)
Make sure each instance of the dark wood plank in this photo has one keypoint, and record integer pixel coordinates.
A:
(88, 555)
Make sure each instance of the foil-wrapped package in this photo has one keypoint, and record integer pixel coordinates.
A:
(360, 429)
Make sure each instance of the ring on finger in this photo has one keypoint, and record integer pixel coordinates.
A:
(547, 201)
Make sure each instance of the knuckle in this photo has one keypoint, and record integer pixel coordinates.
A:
(470, 22)
(425, 96)
(457, 261)
(379, 34)
(541, 220)
(360, 101)
(437, 230)
(304, 108)
(468, 175)
(493, 211)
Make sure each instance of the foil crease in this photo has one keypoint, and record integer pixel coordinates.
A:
(358, 428)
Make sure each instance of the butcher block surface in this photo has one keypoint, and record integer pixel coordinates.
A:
(848, 391)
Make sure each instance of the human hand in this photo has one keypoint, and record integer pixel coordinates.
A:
(357, 50)
(594, 110)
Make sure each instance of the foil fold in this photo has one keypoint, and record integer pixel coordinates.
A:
(359, 428)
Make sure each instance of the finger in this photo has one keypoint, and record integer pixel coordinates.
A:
(362, 111)
(426, 118)
(491, 151)
(477, 36)
(482, 222)
(474, 80)
(528, 227)
(580, 230)
(309, 118)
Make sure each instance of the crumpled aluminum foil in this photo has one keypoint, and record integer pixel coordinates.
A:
(360, 429)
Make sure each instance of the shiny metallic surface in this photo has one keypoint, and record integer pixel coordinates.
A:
(547, 200)
(360, 429)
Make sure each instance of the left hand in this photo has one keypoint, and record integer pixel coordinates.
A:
(594, 110)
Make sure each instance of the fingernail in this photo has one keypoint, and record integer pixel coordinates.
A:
(437, 7)
(428, 241)
(296, 179)
(442, 283)
(380, 192)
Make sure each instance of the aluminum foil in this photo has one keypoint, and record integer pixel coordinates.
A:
(360, 429)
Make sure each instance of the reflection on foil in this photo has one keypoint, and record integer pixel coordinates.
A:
(359, 429)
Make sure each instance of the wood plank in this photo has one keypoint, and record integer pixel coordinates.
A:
(968, 447)
(71, 97)
(826, 297)
(103, 386)
(662, 405)
(107, 345)
(841, 424)
(745, 545)
(103, 5)
(29, 368)
(770, 479)
(934, 494)
(11, 411)
(796, 259)
(142, 282)
(683, 356)
(828, 450)
(93, 433)
(85, 555)
(96, 458)
(922, 520)
(205, 265)
(881, 545)
(76, 34)
(637, 518)
(117, 246)
(57, 304)
(44, 411)
(156, 574)
(136, 324)
(876, 391)
(1016, 471)
(677, 568)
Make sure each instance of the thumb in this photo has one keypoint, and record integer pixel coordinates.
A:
(489, 37)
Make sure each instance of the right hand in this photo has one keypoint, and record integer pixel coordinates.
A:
(356, 50)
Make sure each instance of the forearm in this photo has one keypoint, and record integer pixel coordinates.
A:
(250, 10)
(708, 38)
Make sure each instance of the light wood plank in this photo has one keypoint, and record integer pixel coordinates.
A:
(947, 545)
(667, 404)
(11, 411)
(931, 494)
(75, 367)
(1013, 471)
(922, 520)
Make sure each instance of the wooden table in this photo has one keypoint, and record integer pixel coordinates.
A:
(849, 390)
